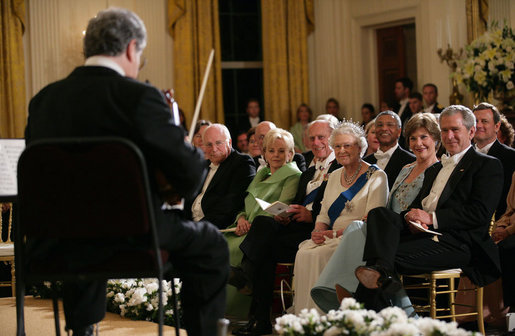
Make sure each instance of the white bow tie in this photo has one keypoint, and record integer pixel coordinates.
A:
(381, 155)
(262, 162)
(319, 165)
(448, 160)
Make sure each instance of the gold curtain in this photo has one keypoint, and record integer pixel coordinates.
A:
(285, 25)
(477, 18)
(194, 27)
(12, 69)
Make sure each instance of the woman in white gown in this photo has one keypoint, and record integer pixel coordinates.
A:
(351, 192)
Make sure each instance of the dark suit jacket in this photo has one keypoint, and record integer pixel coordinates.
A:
(437, 108)
(297, 158)
(465, 208)
(226, 192)
(97, 101)
(399, 159)
(506, 155)
(308, 156)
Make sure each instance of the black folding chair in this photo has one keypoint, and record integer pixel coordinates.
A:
(91, 192)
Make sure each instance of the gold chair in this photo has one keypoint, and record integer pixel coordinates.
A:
(7, 248)
(284, 271)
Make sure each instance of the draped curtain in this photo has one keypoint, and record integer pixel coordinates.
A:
(12, 71)
(194, 27)
(477, 18)
(285, 26)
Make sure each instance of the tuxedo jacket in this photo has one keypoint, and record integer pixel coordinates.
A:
(224, 196)
(506, 155)
(465, 208)
(97, 101)
(308, 157)
(297, 158)
(305, 178)
(437, 108)
(399, 159)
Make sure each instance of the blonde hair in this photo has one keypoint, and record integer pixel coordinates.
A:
(279, 133)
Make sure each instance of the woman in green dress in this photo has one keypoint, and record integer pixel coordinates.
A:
(276, 182)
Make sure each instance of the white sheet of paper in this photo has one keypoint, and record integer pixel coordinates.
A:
(277, 208)
(421, 228)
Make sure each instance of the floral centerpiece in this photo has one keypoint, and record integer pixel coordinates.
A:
(352, 320)
(136, 299)
(488, 65)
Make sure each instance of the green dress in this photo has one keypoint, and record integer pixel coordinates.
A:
(280, 186)
(297, 130)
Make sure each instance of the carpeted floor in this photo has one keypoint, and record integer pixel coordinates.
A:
(39, 320)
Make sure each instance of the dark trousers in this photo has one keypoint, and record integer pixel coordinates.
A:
(267, 243)
(507, 254)
(200, 257)
(390, 244)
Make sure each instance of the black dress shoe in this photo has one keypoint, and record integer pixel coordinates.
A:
(86, 331)
(374, 277)
(246, 330)
(239, 279)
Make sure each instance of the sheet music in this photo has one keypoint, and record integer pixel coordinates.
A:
(10, 151)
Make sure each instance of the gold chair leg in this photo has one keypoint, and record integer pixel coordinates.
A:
(432, 298)
(479, 307)
(452, 308)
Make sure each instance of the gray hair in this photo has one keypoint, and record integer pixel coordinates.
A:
(110, 32)
(222, 128)
(332, 120)
(329, 123)
(469, 120)
(393, 114)
(350, 128)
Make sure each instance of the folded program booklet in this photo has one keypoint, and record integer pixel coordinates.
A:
(277, 208)
(421, 228)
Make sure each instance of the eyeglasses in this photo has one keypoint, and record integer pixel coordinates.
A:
(344, 146)
(218, 144)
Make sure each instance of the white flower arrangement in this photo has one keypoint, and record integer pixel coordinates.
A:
(489, 63)
(138, 299)
(352, 320)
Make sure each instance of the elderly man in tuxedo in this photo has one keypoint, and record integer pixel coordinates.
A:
(103, 98)
(390, 157)
(225, 185)
(457, 199)
(271, 240)
(488, 122)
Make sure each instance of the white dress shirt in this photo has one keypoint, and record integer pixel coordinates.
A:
(105, 62)
(321, 168)
(430, 202)
(403, 104)
(384, 157)
(485, 149)
(254, 121)
(196, 208)
(429, 109)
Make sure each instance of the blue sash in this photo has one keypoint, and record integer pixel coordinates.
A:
(310, 197)
(339, 204)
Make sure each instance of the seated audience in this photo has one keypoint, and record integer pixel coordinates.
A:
(273, 240)
(225, 185)
(304, 115)
(200, 128)
(337, 280)
(457, 199)
(488, 121)
(332, 107)
(506, 132)
(351, 192)
(368, 113)
(308, 155)
(278, 181)
(373, 143)
(261, 130)
(242, 142)
(415, 102)
(390, 156)
(254, 148)
(504, 236)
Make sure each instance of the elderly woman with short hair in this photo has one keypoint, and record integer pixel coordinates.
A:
(351, 192)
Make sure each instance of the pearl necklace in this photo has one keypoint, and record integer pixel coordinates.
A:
(349, 180)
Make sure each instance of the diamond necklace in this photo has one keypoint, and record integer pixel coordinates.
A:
(349, 180)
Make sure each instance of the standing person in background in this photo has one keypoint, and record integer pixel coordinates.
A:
(368, 113)
(253, 118)
(332, 106)
(103, 98)
(304, 115)
(430, 93)
(415, 102)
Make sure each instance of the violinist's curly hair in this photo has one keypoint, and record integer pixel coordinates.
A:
(110, 32)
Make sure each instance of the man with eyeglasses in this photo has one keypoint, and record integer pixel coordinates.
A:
(390, 157)
(225, 185)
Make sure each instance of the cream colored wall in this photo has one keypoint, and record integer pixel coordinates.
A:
(342, 49)
(53, 39)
